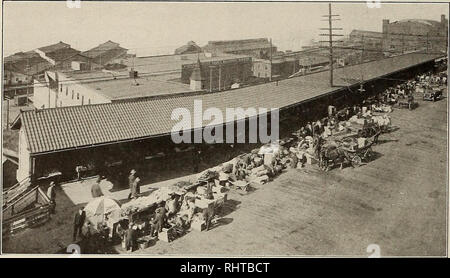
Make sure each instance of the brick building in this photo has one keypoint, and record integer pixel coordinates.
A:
(282, 66)
(217, 73)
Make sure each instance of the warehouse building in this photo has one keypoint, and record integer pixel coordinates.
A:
(257, 48)
(129, 133)
(415, 34)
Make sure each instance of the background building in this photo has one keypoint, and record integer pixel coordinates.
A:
(256, 48)
(189, 48)
(218, 73)
(106, 53)
(282, 66)
(415, 34)
(60, 89)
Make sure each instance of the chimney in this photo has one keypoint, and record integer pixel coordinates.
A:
(443, 19)
(385, 26)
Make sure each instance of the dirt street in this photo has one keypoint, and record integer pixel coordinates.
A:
(397, 201)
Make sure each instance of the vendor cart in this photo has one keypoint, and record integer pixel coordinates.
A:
(407, 103)
(432, 94)
(356, 156)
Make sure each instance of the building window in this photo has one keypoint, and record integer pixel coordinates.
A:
(89, 101)
(82, 100)
(78, 96)
(61, 89)
(72, 94)
(60, 103)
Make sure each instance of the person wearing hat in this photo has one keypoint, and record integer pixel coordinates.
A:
(79, 219)
(160, 218)
(51, 194)
(96, 191)
(135, 188)
(131, 179)
(130, 237)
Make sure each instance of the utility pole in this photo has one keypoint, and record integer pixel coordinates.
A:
(330, 36)
(7, 113)
(210, 79)
(403, 44)
(270, 78)
(361, 87)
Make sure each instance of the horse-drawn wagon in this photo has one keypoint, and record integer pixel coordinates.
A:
(348, 151)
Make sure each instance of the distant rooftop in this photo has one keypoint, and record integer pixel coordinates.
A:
(237, 45)
(127, 88)
(124, 87)
(172, 63)
(54, 47)
(421, 21)
(102, 49)
(62, 54)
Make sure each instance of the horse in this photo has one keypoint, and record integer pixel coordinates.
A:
(332, 154)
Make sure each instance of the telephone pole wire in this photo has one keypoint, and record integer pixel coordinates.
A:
(330, 40)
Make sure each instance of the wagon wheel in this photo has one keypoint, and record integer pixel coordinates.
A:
(369, 153)
(356, 161)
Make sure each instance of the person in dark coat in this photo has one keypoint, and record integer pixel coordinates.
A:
(80, 217)
(96, 191)
(131, 179)
(135, 188)
(130, 238)
(160, 218)
(51, 194)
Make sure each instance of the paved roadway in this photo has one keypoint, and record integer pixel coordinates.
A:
(398, 201)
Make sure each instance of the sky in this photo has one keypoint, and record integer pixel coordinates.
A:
(158, 28)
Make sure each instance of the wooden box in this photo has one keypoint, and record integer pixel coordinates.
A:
(166, 235)
(198, 225)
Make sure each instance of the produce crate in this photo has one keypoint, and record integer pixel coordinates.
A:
(198, 225)
(166, 235)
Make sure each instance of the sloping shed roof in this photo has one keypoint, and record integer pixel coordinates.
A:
(104, 49)
(84, 126)
(62, 54)
(54, 47)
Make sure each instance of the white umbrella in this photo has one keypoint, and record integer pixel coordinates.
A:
(99, 207)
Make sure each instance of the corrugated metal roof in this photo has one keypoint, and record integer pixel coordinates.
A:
(81, 126)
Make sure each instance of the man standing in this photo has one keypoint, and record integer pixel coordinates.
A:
(80, 217)
(96, 191)
(51, 194)
(130, 237)
(135, 188)
(160, 217)
(131, 179)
